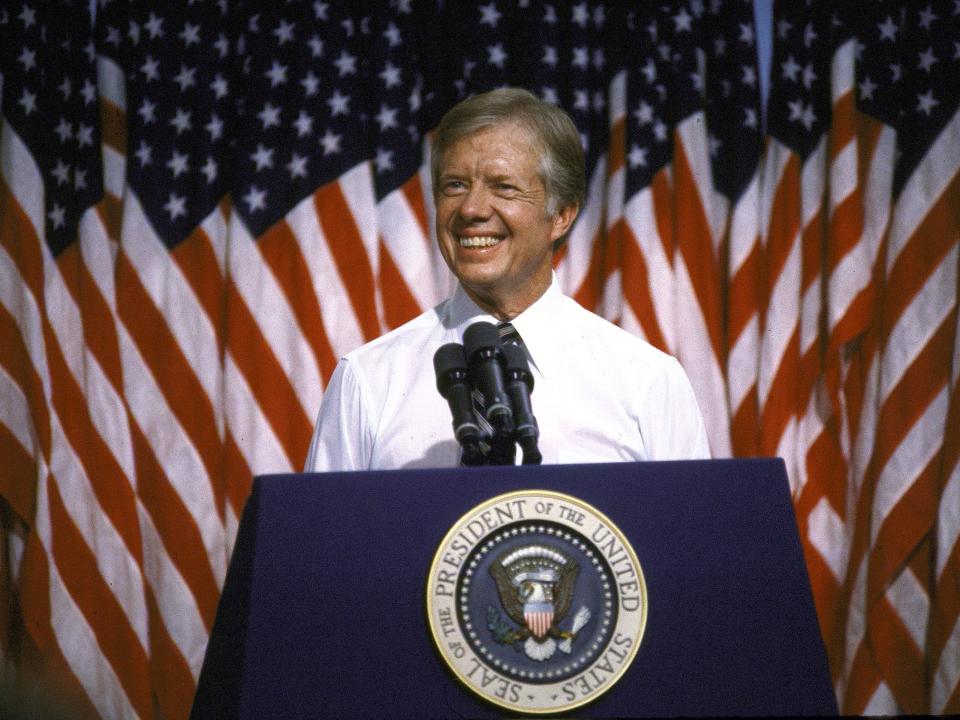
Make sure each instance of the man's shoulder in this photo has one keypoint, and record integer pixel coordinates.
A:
(410, 338)
(615, 341)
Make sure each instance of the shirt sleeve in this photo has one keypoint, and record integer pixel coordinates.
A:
(680, 433)
(341, 439)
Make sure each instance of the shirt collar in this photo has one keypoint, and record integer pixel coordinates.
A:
(537, 325)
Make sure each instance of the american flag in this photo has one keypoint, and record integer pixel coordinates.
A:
(204, 204)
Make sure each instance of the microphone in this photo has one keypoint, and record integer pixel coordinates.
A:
(519, 383)
(481, 343)
(453, 382)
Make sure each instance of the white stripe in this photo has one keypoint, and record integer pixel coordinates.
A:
(696, 354)
(119, 569)
(15, 413)
(253, 435)
(841, 70)
(270, 308)
(788, 448)
(856, 621)
(175, 601)
(693, 136)
(172, 295)
(742, 363)
(612, 300)
(919, 321)
(745, 225)
(409, 248)
(882, 702)
(923, 189)
(216, 228)
(72, 632)
(946, 676)
(908, 598)
(617, 97)
(773, 166)
(781, 321)
(576, 263)
(23, 177)
(810, 305)
(114, 171)
(111, 82)
(813, 182)
(641, 218)
(911, 457)
(827, 533)
(878, 190)
(175, 453)
(339, 319)
(357, 187)
(20, 303)
(948, 519)
(843, 175)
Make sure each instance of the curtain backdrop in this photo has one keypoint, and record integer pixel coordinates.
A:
(204, 204)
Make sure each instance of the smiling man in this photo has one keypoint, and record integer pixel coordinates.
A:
(508, 182)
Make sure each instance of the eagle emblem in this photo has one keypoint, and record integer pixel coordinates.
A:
(536, 585)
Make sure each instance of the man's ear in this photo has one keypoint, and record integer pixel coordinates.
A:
(563, 221)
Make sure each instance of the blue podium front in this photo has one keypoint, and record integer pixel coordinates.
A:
(323, 613)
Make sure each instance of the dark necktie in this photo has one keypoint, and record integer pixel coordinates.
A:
(509, 334)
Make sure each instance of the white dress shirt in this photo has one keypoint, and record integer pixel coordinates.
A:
(600, 394)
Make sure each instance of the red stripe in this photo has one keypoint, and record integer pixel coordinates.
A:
(197, 261)
(617, 146)
(41, 661)
(175, 376)
(696, 247)
(171, 681)
(107, 479)
(238, 474)
(826, 592)
(277, 400)
(744, 297)
(745, 426)
(413, 192)
(784, 224)
(399, 305)
(591, 288)
(928, 244)
(99, 332)
(283, 255)
(181, 537)
(17, 477)
(898, 659)
(108, 621)
(636, 288)
(780, 405)
(347, 248)
(113, 125)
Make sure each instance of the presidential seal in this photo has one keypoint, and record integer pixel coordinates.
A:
(536, 601)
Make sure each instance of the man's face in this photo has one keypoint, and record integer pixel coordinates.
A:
(492, 223)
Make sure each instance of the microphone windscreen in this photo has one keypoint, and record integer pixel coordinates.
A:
(516, 357)
(480, 335)
(448, 358)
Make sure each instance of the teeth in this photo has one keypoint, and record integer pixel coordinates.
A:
(483, 241)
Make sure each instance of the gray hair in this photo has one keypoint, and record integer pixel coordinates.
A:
(556, 138)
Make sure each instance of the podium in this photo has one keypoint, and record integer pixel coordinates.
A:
(323, 612)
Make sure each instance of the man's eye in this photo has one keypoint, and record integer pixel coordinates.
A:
(453, 185)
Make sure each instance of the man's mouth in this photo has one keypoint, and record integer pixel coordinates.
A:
(480, 241)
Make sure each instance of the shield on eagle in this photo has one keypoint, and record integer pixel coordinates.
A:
(535, 584)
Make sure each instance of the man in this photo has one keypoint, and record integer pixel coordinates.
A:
(508, 181)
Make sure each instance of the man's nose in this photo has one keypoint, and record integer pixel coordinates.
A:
(476, 203)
